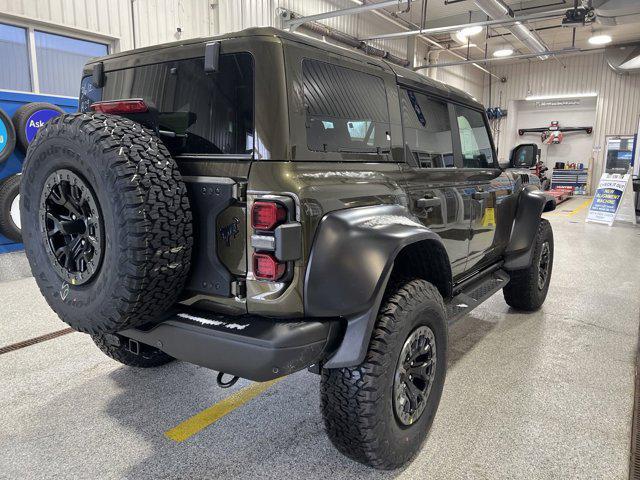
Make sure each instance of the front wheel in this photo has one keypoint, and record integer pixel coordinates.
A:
(379, 412)
(527, 289)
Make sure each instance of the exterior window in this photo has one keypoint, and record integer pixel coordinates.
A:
(197, 113)
(60, 61)
(427, 130)
(14, 74)
(474, 139)
(346, 109)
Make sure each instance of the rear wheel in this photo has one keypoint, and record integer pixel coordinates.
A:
(380, 412)
(10, 208)
(106, 222)
(527, 289)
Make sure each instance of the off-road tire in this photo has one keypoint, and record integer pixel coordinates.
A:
(9, 191)
(357, 402)
(145, 213)
(523, 292)
(10, 140)
(21, 118)
(148, 357)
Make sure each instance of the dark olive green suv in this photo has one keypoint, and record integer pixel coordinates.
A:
(261, 203)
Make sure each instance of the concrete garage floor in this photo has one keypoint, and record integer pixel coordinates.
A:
(543, 395)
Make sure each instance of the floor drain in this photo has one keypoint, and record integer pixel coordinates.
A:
(33, 341)
(634, 460)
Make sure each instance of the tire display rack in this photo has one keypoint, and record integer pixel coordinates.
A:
(10, 102)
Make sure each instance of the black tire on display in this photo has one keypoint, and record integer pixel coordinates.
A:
(29, 118)
(7, 136)
(92, 177)
(527, 289)
(147, 356)
(379, 413)
(10, 208)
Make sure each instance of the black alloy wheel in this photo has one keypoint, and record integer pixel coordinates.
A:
(543, 265)
(414, 375)
(71, 226)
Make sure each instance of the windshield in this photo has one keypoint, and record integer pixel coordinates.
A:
(198, 113)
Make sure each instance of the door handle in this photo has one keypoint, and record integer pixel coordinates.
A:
(428, 202)
(481, 195)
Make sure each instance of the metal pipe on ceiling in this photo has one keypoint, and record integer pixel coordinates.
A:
(566, 51)
(497, 9)
(412, 26)
(294, 23)
(454, 28)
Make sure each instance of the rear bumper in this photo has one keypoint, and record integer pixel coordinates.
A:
(251, 347)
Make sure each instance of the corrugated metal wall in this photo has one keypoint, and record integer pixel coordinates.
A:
(618, 101)
(464, 77)
(157, 21)
(110, 18)
(238, 14)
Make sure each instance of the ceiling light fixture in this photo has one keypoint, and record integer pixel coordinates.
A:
(561, 96)
(471, 31)
(503, 52)
(599, 39)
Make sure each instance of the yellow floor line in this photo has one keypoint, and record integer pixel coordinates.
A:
(207, 417)
(579, 207)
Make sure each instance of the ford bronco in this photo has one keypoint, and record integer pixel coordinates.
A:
(260, 203)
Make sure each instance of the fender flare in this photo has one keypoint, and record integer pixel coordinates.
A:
(519, 251)
(351, 260)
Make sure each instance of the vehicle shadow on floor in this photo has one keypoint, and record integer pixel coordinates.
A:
(278, 434)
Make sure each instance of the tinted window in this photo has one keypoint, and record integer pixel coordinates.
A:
(427, 130)
(474, 139)
(60, 61)
(14, 74)
(198, 113)
(346, 109)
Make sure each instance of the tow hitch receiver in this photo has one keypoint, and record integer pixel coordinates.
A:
(252, 347)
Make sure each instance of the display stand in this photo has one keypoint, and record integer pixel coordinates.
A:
(613, 201)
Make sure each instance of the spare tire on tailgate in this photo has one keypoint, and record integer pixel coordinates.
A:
(106, 222)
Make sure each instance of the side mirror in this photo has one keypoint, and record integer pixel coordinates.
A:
(504, 165)
(524, 155)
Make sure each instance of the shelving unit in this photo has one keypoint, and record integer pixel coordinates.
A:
(571, 178)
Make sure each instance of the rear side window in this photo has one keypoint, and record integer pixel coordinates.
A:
(427, 130)
(198, 113)
(474, 139)
(347, 110)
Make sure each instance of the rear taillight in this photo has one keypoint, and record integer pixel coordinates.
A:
(267, 215)
(120, 107)
(267, 267)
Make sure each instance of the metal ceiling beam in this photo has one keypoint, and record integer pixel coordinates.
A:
(566, 51)
(296, 22)
(487, 23)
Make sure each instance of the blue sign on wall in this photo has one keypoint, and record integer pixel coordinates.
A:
(10, 102)
(37, 120)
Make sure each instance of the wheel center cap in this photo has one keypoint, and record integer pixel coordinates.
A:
(73, 227)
